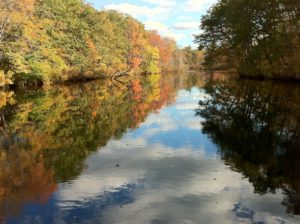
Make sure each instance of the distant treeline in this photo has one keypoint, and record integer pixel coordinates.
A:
(259, 38)
(49, 41)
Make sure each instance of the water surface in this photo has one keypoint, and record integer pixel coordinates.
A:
(174, 149)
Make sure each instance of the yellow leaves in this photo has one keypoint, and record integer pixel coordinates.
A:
(41, 67)
(31, 31)
(56, 62)
(5, 79)
(2, 78)
(34, 30)
(27, 5)
(153, 81)
(151, 60)
(55, 41)
(6, 98)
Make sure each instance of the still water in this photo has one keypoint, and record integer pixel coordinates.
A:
(187, 148)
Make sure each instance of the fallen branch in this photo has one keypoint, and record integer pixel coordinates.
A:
(118, 74)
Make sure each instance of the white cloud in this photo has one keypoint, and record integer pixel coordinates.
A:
(174, 186)
(161, 10)
(198, 5)
(192, 123)
(190, 25)
(163, 30)
(186, 106)
(178, 17)
(175, 36)
(158, 11)
(164, 184)
(154, 25)
(102, 176)
(165, 3)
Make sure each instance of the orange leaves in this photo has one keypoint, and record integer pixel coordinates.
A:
(94, 55)
(154, 38)
(166, 47)
(136, 86)
(27, 5)
(137, 89)
(137, 40)
(25, 180)
(136, 61)
(92, 47)
(94, 114)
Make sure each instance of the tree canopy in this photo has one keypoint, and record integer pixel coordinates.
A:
(257, 37)
(48, 41)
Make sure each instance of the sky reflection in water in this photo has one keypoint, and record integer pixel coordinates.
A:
(164, 171)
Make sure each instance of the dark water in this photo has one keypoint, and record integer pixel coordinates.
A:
(175, 149)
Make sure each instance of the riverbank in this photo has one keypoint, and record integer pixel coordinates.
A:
(46, 42)
(234, 73)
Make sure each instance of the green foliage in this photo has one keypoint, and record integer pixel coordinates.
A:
(258, 38)
(48, 41)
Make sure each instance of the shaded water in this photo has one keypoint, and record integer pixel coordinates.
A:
(175, 149)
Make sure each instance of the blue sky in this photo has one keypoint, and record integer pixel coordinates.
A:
(179, 19)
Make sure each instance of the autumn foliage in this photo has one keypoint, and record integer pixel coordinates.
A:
(166, 46)
(49, 41)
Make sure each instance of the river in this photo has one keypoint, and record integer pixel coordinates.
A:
(186, 148)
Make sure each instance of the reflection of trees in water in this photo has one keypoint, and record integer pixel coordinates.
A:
(257, 126)
(46, 136)
(23, 178)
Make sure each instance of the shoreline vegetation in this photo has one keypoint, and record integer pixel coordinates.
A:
(43, 42)
(258, 38)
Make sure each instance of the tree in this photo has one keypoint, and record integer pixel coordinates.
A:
(7, 7)
(166, 48)
(137, 40)
(151, 60)
(258, 38)
(49, 41)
